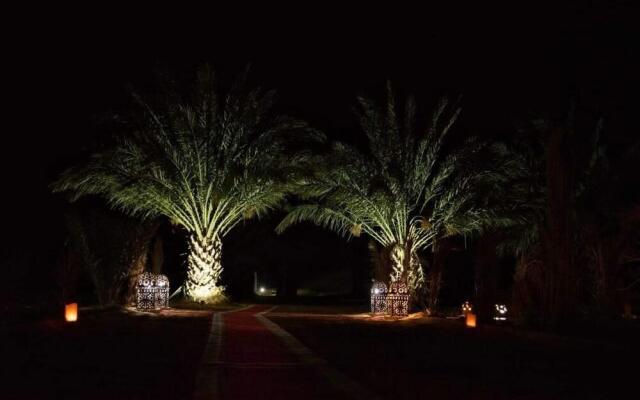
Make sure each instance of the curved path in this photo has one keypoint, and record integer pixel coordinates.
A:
(250, 357)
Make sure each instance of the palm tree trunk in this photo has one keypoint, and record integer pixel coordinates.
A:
(441, 250)
(204, 270)
(486, 274)
(434, 282)
(560, 290)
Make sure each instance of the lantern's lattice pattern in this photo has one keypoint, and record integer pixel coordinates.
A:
(378, 298)
(398, 299)
(152, 291)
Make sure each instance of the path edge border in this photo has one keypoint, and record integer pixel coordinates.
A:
(206, 385)
(336, 378)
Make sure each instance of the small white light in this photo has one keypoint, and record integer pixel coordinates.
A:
(501, 308)
(262, 290)
(376, 291)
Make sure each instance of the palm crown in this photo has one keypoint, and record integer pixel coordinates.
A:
(203, 161)
(404, 192)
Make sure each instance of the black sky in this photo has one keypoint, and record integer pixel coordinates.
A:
(67, 66)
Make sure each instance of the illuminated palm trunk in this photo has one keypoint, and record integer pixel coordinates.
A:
(405, 265)
(204, 270)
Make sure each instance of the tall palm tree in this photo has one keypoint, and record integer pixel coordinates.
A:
(556, 188)
(202, 160)
(405, 191)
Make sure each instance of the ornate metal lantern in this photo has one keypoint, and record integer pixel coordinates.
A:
(398, 299)
(378, 298)
(152, 291)
(162, 295)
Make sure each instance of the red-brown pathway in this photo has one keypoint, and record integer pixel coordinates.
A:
(249, 357)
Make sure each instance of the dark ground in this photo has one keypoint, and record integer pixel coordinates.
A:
(441, 359)
(105, 355)
(123, 355)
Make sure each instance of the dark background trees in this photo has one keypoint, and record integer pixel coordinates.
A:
(66, 68)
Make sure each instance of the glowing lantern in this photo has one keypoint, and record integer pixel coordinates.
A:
(71, 312)
(378, 298)
(152, 291)
(398, 299)
(471, 320)
(501, 312)
(466, 308)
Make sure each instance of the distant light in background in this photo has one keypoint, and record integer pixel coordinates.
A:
(466, 308)
(262, 289)
(71, 312)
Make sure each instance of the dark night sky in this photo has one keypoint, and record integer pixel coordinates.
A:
(68, 65)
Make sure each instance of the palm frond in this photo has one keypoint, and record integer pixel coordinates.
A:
(202, 159)
(403, 178)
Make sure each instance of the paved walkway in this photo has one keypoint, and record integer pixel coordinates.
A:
(250, 357)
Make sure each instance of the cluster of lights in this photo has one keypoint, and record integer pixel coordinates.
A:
(466, 308)
(501, 312)
(469, 317)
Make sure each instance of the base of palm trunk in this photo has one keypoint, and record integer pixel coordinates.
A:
(204, 270)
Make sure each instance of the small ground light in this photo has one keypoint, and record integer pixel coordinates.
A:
(466, 308)
(262, 289)
(501, 312)
(470, 320)
(71, 312)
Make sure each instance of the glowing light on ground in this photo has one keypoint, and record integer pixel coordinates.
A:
(501, 312)
(152, 291)
(471, 320)
(71, 312)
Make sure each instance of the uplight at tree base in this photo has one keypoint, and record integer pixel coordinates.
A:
(71, 312)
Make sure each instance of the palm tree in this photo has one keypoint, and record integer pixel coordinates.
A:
(608, 211)
(204, 161)
(519, 196)
(562, 198)
(405, 191)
